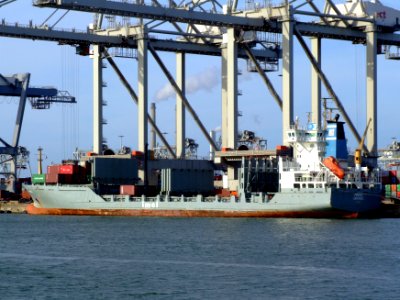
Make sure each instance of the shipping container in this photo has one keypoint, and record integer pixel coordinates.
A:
(223, 192)
(60, 178)
(398, 195)
(388, 187)
(52, 178)
(53, 169)
(115, 170)
(393, 173)
(193, 181)
(68, 169)
(127, 190)
(394, 194)
(131, 190)
(38, 178)
(394, 188)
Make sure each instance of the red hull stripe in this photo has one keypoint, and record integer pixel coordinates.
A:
(31, 209)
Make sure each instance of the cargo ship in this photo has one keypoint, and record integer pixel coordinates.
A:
(311, 177)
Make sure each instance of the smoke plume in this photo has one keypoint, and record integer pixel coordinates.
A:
(205, 80)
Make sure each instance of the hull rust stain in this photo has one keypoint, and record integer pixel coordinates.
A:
(31, 209)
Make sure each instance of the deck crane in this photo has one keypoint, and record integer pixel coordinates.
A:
(12, 155)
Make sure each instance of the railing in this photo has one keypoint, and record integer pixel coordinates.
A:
(44, 27)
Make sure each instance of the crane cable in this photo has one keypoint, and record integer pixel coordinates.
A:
(63, 84)
(76, 94)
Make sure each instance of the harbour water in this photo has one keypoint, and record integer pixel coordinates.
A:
(68, 257)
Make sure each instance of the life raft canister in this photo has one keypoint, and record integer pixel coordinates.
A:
(333, 165)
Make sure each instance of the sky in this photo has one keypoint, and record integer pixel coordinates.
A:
(63, 128)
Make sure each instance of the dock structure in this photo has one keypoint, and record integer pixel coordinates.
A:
(231, 33)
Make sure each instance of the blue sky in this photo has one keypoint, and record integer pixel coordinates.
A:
(64, 127)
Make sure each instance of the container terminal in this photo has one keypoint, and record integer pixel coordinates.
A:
(230, 32)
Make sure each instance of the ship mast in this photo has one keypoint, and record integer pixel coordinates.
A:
(40, 160)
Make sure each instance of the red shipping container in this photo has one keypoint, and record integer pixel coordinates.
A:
(393, 173)
(53, 169)
(223, 192)
(131, 190)
(64, 179)
(51, 178)
(398, 194)
(67, 169)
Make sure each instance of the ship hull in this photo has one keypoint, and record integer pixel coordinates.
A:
(31, 209)
(82, 200)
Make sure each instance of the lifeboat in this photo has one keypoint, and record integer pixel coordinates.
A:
(333, 165)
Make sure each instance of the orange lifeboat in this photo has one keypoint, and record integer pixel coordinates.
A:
(333, 165)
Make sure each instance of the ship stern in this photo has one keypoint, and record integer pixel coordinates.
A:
(356, 200)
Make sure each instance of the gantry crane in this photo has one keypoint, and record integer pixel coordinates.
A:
(232, 33)
(12, 155)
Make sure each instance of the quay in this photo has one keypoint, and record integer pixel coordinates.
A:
(13, 207)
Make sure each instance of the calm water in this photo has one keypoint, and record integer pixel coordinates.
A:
(156, 258)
